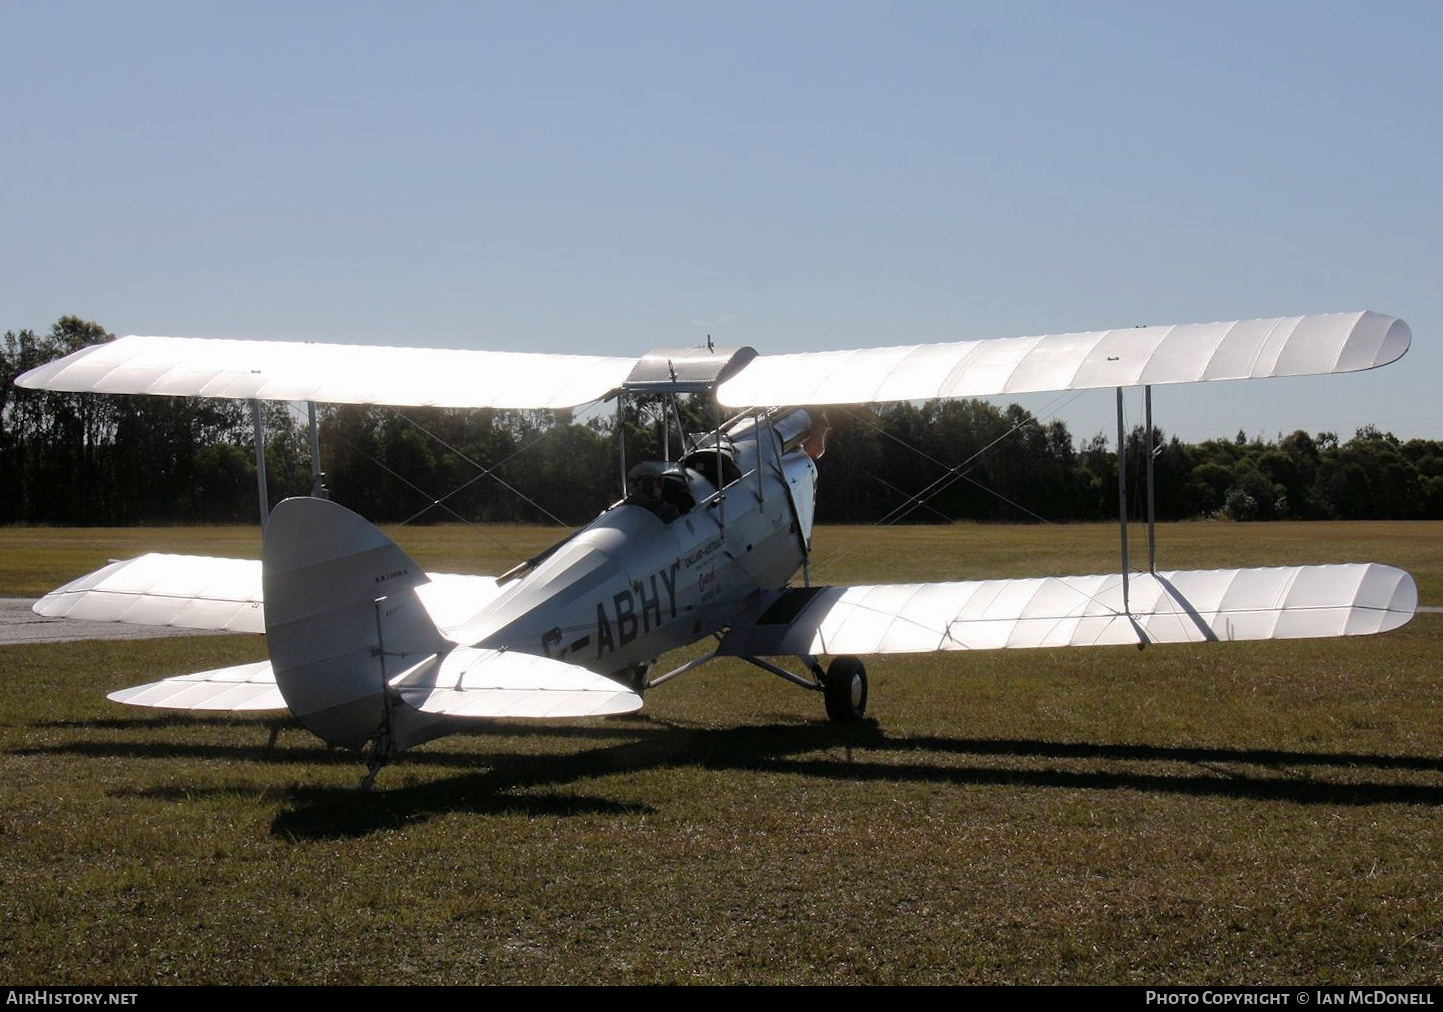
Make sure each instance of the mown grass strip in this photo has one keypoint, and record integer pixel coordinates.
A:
(1224, 813)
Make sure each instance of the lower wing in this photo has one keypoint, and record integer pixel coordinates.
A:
(201, 592)
(1292, 602)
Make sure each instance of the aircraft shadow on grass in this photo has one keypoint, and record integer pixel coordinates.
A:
(502, 782)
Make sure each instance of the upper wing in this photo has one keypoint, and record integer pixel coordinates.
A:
(363, 374)
(1247, 349)
(1292, 602)
(332, 373)
(200, 592)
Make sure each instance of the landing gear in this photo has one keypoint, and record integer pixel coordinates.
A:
(845, 690)
(843, 685)
(637, 678)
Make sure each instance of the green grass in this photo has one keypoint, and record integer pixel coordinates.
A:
(1230, 813)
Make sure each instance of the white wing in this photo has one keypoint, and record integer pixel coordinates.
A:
(244, 687)
(472, 682)
(185, 591)
(332, 373)
(1247, 349)
(1185, 607)
(201, 592)
(363, 374)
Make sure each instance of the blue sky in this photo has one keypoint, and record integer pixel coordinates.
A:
(613, 177)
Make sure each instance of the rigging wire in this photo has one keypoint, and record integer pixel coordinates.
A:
(947, 480)
(1051, 411)
(434, 501)
(893, 488)
(477, 477)
(484, 471)
(955, 472)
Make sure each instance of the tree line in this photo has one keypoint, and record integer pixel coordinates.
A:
(80, 459)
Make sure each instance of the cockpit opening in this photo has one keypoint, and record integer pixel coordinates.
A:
(717, 465)
(665, 489)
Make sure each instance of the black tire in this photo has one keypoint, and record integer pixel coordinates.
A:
(845, 690)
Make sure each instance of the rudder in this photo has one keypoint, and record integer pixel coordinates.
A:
(342, 618)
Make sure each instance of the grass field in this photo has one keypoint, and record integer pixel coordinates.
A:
(1231, 813)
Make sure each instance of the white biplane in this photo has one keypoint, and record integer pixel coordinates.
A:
(370, 652)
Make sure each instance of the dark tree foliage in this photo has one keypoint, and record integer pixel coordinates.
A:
(84, 459)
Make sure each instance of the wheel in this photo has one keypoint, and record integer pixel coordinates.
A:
(845, 690)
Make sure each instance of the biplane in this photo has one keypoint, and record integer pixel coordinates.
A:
(371, 653)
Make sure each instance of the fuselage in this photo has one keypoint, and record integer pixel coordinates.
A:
(648, 576)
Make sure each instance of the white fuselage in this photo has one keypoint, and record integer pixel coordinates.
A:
(638, 582)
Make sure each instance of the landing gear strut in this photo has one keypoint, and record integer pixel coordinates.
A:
(845, 690)
(843, 685)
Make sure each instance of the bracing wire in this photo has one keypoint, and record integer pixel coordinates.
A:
(954, 472)
(486, 472)
(435, 501)
(957, 472)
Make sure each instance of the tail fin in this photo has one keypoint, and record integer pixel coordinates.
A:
(342, 618)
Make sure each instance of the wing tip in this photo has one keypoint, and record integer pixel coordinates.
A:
(1397, 339)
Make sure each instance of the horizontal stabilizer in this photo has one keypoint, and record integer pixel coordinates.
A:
(1294, 602)
(472, 682)
(332, 373)
(244, 687)
(201, 592)
(1135, 356)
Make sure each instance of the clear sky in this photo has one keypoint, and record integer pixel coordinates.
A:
(613, 177)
